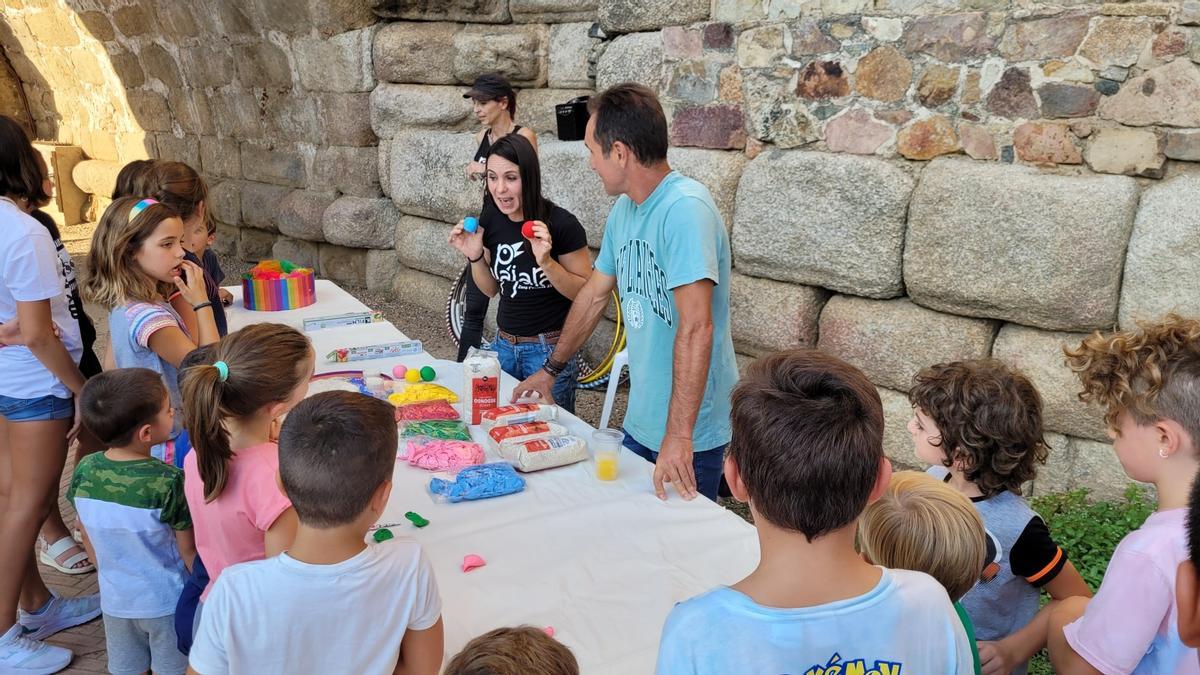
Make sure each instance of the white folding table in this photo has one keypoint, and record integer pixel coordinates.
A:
(600, 562)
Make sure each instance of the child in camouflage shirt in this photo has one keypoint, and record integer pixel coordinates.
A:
(135, 519)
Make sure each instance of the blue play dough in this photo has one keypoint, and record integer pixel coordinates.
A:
(479, 482)
(361, 384)
(470, 224)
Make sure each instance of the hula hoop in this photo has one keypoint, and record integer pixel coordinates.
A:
(590, 376)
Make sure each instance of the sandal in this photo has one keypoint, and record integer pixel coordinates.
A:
(50, 553)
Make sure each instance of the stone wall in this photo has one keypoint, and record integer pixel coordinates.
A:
(827, 131)
(267, 98)
(905, 181)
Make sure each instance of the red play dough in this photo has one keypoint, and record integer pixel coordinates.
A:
(527, 229)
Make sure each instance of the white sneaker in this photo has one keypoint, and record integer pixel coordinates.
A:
(21, 656)
(59, 614)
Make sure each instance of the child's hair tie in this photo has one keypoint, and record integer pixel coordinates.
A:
(222, 370)
(139, 207)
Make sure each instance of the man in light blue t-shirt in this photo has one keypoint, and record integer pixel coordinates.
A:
(666, 252)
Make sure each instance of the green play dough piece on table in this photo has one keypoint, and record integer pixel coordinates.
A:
(382, 535)
(428, 373)
(416, 519)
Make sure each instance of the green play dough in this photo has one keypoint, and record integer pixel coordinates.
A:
(382, 534)
(428, 373)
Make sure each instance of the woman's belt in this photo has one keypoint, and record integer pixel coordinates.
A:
(549, 338)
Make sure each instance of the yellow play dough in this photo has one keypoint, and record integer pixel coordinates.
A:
(423, 391)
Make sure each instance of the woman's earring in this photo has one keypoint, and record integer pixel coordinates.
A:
(1162, 452)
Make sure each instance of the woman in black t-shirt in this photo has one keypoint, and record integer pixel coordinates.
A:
(537, 278)
(494, 102)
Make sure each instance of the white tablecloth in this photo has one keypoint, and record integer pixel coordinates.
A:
(601, 562)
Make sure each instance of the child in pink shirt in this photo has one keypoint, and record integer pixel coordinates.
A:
(238, 511)
(1149, 382)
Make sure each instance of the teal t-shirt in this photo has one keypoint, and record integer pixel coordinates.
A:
(674, 238)
(904, 625)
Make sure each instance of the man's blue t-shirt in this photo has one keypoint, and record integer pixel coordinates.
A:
(674, 238)
(906, 625)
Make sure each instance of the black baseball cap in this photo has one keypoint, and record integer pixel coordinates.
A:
(489, 87)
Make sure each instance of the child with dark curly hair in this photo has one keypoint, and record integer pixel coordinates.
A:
(979, 423)
(1148, 381)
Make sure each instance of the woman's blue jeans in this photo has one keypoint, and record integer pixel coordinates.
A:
(526, 358)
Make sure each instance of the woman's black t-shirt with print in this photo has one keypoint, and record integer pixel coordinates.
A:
(529, 303)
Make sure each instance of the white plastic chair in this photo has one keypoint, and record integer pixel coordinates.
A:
(620, 362)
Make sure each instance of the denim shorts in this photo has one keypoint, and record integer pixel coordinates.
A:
(36, 409)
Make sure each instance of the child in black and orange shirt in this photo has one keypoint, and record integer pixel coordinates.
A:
(979, 423)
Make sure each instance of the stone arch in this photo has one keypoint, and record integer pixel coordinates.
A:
(12, 95)
(74, 93)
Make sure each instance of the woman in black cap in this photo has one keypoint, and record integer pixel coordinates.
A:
(495, 105)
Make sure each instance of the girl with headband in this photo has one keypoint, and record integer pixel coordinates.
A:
(36, 411)
(135, 264)
(239, 513)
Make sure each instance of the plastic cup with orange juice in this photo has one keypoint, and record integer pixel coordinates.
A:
(606, 452)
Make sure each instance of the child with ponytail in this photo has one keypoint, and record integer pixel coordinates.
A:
(136, 263)
(239, 512)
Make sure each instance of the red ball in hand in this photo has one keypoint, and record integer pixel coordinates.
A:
(527, 230)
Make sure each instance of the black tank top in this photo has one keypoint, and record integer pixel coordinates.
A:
(485, 145)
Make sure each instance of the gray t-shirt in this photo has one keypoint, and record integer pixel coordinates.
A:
(1023, 558)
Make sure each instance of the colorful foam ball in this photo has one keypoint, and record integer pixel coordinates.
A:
(399, 371)
(428, 373)
(527, 230)
(413, 375)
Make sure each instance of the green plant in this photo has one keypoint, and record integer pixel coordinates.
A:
(1089, 532)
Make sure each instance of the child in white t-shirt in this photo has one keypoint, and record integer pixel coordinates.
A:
(331, 603)
(807, 454)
